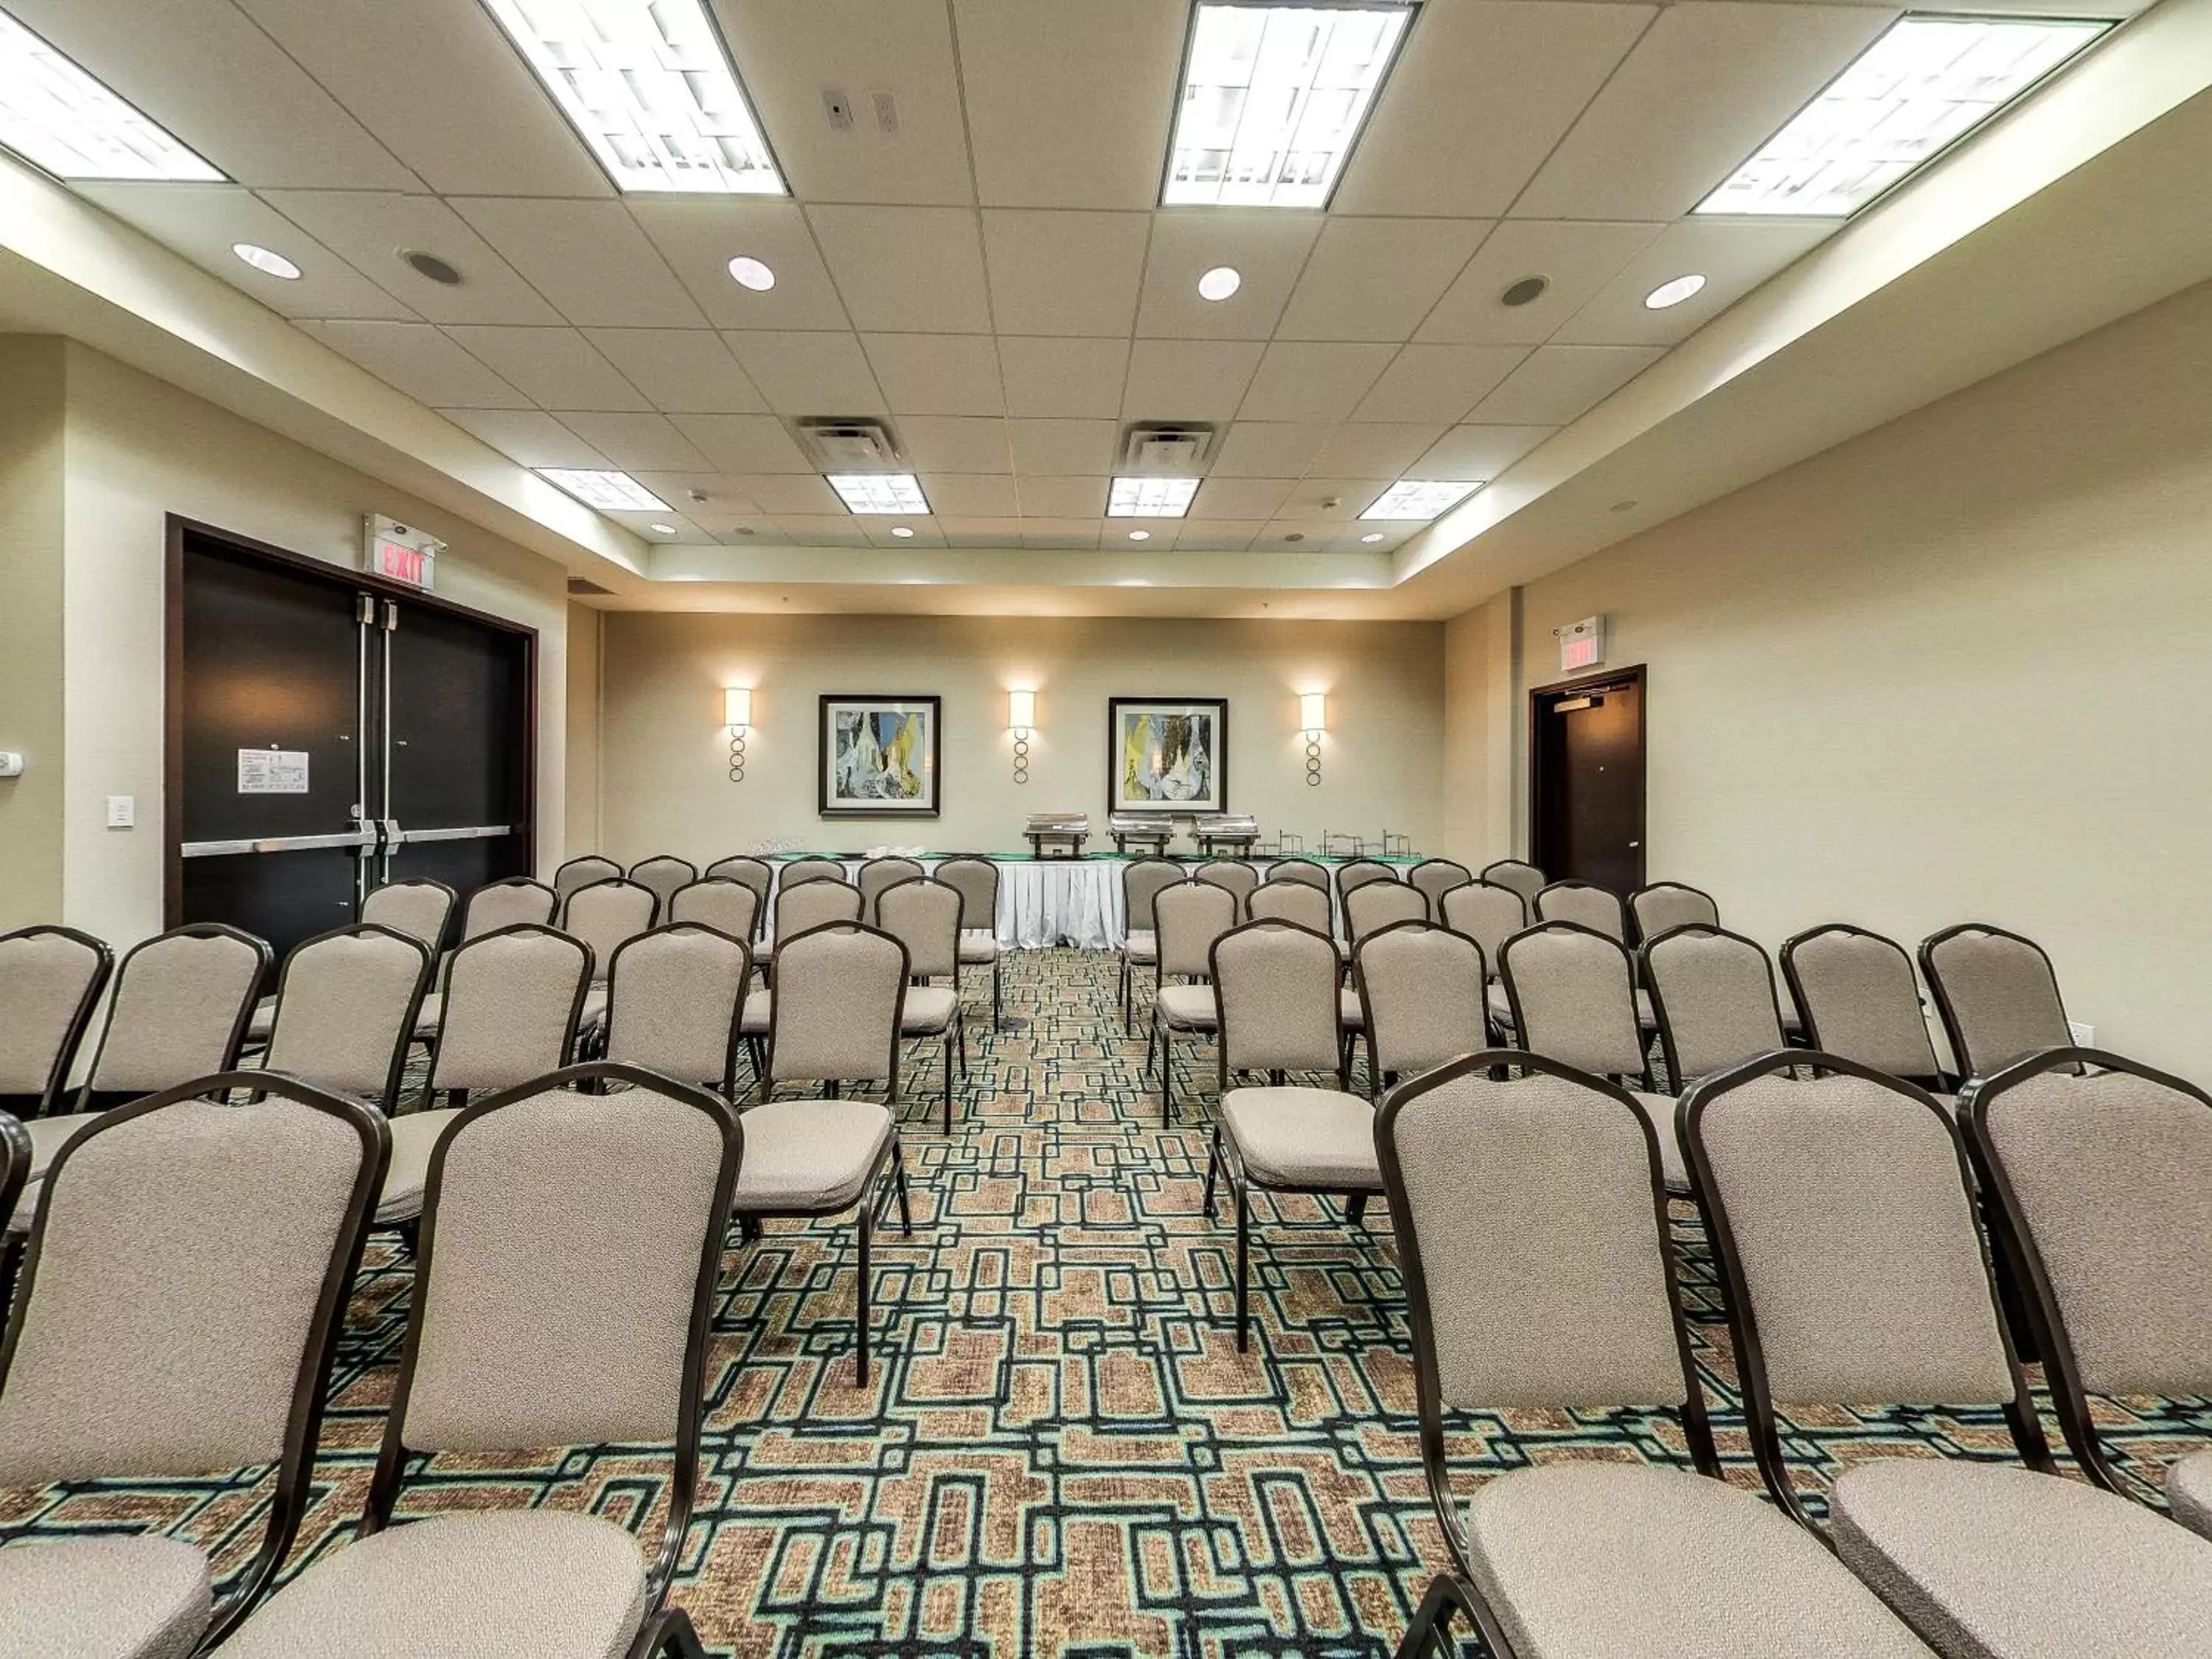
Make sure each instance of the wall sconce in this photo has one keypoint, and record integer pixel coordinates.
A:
(1021, 721)
(737, 715)
(1313, 720)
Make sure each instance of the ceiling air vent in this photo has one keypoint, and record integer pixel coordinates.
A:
(859, 445)
(1174, 449)
(579, 585)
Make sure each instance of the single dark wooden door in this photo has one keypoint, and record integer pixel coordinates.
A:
(1586, 784)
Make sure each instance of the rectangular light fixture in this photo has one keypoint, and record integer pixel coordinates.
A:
(1021, 711)
(737, 707)
(1150, 498)
(611, 492)
(1274, 97)
(649, 85)
(57, 117)
(1313, 711)
(1926, 83)
(879, 492)
(1418, 498)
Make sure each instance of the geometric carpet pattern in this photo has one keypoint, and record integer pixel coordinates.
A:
(1060, 1452)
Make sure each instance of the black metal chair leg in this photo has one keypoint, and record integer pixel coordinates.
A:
(867, 1228)
(1167, 1074)
(898, 1175)
(948, 1080)
(998, 993)
(1243, 1263)
(1212, 1163)
(1355, 1209)
(1431, 1631)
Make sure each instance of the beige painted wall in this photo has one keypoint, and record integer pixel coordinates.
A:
(580, 828)
(31, 445)
(665, 785)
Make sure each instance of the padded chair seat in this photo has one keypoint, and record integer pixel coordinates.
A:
(1626, 1558)
(414, 1138)
(507, 1585)
(1141, 945)
(1292, 1137)
(752, 1021)
(1990, 1561)
(263, 1022)
(928, 1010)
(980, 948)
(594, 1012)
(1188, 1007)
(1501, 1005)
(810, 1154)
(103, 1598)
(2189, 1491)
(1349, 1013)
(1659, 1109)
(427, 1017)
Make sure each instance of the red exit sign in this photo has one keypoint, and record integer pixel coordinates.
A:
(399, 553)
(410, 565)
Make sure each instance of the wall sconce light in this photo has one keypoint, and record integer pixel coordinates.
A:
(1021, 721)
(737, 715)
(1313, 720)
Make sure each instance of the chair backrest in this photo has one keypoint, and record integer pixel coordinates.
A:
(1350, 877)
(1713, 993)
(1424, 991)
(814, 866)
(875, 875)
(1856, 996)
(1522, 877)
(924, 915)
(718, 902)
(1277, 985)
(1435, 878)
(51, 979)
(1141, 880)
(811, 904)
(569, 1250)
(1666, 905)
(1288, 901)
(1187, 918)
(840, 992)
(1586, 904)
(1299, 870)
(1378, 904)
(182, 1002)
(605, 914)
(756, 873)
(1487, 914)
(506, 904)
(976, 881)
(346, 1003)
(1234, 874)
(1573, 997)
(420, 907)
(673, 1000)
(511, 1002)
(1997, 994)
(663, 874)
(578, 872)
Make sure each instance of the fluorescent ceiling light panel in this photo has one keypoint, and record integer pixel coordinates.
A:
(1150, 498)
(649, 87)
(57, 117)
(1927, 83)
(1418, 498)
(614, 492)
(1274, 98)
(878, 492)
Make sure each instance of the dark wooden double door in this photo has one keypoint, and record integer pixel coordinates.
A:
(1586, 780)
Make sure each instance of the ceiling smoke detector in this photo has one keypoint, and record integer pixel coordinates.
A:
(1528, 289)
(429, 266)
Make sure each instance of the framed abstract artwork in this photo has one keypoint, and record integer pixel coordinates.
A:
(1167, 754)
(879, 757)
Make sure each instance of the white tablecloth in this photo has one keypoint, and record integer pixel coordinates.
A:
(1078, 902)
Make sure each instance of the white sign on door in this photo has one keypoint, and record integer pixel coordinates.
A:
(272, 771)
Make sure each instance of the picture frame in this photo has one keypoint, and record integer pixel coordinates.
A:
(1167, 754)
(879, 756)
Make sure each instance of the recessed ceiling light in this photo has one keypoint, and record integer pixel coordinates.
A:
(649, 87)
(1622, 506)
(1674, 292)
(1418, 498)
(903, 532)
(749, 272)
(879, 492)
(614, 491)
(429, 266)
(263, 260)
(1221, 282)
(57, 117)
(1523, 292)
(1372, 536)
(1141, 535)
(1150, 498)
(662, 529)
(1274, 98)
(1927, 81)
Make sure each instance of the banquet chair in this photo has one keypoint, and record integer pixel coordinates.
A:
(1661, 907)
(756, 873)
(51, 979)
(1856, 996)
(1234, 874)
(180, 1305)
(1423, 999)
(718, 902)
(578, 872)
(1378, 904)
(1187, 918)
(1277, 985)
(346, 1007)
(812, 902)
(1532, 1232)
(1141, 881)
(812, 866)
(508, 904)
(1350, 877)
(1996, 994)
(1519, 875)
(1437, 877)
(420, 907)
(571, 1247)
(1489, 915)
(674, 996)
(1288, 901)
(875, 875)
(1300, 870)
(604, 915)
(1712, 992)
(1843, 1217)
(839, 992)
(976, 881)
(1585, 903)
(924, 917)
(663, 874)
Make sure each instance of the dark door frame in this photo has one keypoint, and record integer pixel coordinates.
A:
(176, 529)
(1632, 675)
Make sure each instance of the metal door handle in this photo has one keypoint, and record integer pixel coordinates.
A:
(211, 849)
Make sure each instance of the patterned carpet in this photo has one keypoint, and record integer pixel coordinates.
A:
(1062, 1453)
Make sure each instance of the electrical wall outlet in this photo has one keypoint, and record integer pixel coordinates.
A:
(122, 811)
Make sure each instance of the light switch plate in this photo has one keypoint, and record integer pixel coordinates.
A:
(122, 811)
(11, 763)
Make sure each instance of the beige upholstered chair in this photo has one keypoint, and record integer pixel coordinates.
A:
(1997, 995)
(604, 915)
(1518, 874)
(1300, 870)
(875, 875)
(1423, 999)
(578, 872)
(1856, 996)
(813, 902)
(717, 902)
(812, 866)
(1532, 1235)
(1142, 881)
(1663, 906)
(1844, 1220)
(674, 998)
(419, 908)
(1288, 901)
(663, 874)
(508, 904)
(180, 1301)
(51, 979)
(1713, 993)
(1377, 904)
(756, 873)
(570, 1251)
(1350, 877)
(181, 1003)
(1233, 874)
(1587, 905)
(976, 881)
(1187, 918)
(1489, 915)
(835, 1012)
(1573, 997)
(1437, 877)
(346, 1007)
(924, 915)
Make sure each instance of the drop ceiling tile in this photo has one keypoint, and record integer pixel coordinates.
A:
(420, 362)
(528, 437)
(1379, 449)
(983, 532)
(588, 259)
(726, 506)
(970, 494)
(1054, 497)
(1375, 279)
(1064, 273)
(635, 443)
(1577, 259)
(1160, 535)
(686, 370)
(1310, 499)
(783, 496)
(1437, 383)
(1310, 381)
(744, 445)
(803, 373)
(1061, 377)
(937, 373)
(821, 530)
(1733, 256)
(1068, 101)
(1050, 446)
(1469, 452)
(1353, 537)
(699, 235)
(1718, 79)
(1482, 92)
(368, 228)
(758, 531)
(1219, 535)
(558, 366)
(906, 270)
(928, 532)
(1240, 498)
(1188, 380)
(1559, 383)
(954, 443)
(1268, 449)
(1266, 248)
(1297, 536)
(1061, 533)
